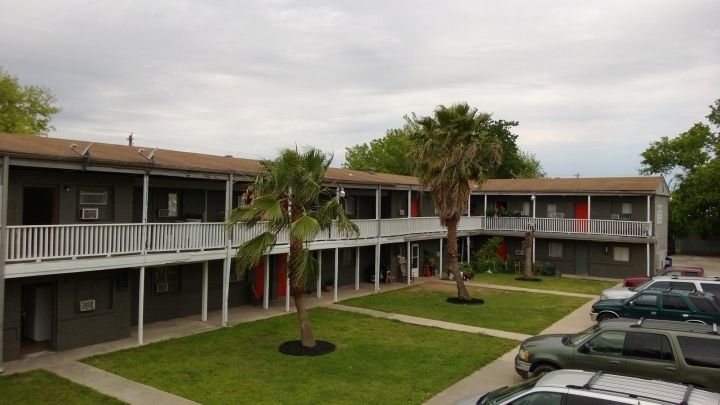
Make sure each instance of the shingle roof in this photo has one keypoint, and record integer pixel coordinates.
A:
(640, 184)
(55, 149)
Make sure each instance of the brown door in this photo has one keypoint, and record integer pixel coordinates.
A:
(39, 206)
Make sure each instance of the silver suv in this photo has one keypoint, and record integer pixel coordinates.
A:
(706, 284)
(575, 387)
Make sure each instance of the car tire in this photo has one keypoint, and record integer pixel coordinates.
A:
(605, 316)
(543, 369)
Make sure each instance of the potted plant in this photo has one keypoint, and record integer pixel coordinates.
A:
(329, 284)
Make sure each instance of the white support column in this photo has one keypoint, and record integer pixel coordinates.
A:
(4, 189)
(378, 199)
(485, 209)
(648, 260)
(377, 267)
(408, 263)
(318, 293)
(266, 283)
(203, 311)
(440, 261)
(287, 284)
(335, 279)
(409, 207)
(467, 249)
(468, 211)
(650, 216)
(227, 260)
(589, 211)
(141, 283)
(534, 201)
(357, 268)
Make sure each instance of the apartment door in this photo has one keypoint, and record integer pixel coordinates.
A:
(415, 260)
(581, 213)
(582, 259)
(415, 208)
(39, 206)
(502, 250)
(282, 276)
(37, 318)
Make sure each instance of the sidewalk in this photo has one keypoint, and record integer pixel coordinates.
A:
(66, 364)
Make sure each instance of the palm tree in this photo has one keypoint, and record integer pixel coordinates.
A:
(288, 195)
(453, 149)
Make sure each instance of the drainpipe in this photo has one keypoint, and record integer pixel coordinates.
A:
(357, 268)
(228, 246)
(141, 284)
(335, 280)
(319, 280)
(4, 190)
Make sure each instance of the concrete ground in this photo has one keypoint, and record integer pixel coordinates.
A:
(499, 373)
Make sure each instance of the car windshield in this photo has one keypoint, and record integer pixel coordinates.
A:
(502, 394)
(582, 336)
(642, 286)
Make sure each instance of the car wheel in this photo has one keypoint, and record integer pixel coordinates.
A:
(605, 316)
(543, 369)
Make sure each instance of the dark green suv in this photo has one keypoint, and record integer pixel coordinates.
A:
(671, 305)
(673, 351)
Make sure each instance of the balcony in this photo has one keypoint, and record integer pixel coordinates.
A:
(51, 242)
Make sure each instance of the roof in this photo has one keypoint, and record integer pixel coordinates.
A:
(614, 185)
(104, 154)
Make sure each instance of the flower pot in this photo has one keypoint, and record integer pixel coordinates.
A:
(328, 288)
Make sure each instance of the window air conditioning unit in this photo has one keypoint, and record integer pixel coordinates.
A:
(520, 252)
(234, 278)
(625, 216)
(89, 213)
(559, 215)
(401, 213)
(161, 287)
(615, 216)
(163, 213)
(88, 305)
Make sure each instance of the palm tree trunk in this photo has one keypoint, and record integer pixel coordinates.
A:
(452, 248)
(298, 294)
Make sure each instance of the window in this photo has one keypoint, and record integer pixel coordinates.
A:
(538, 398)
(700, 352)
(626, 211)
(703, 305)
(659, 214)
(607, 343)
(683, 286)
(172, 204)
(621, 254)
(93, 198)
(551, 210)
(349, 206)
(674, 302)
(650, 346)
(659, 285)
(525, 209)
(711, 288)
(348, 257)
(645, 301)
(584, 399)
(555, 250)
(166, 280)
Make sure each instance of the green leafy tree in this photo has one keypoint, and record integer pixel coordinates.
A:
(386, 155)
(453, 148)
(288, 196)
(25, 109)
(390, 154)
(691, 158)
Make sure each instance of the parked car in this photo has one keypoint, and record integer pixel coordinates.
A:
(708, 284)
(674, 351)
(669, 305)
(680, 271)
(576, 387)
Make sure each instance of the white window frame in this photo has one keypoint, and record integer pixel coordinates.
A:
(525, 209)
(621, 254)
(551, 210)
(172, 204)
(555, 249)
(349, 206)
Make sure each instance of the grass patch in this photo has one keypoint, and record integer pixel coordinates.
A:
(565, 284)
(39, 387)
(376, 361)
(512, 311)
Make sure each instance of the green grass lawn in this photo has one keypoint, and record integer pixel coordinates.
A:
(377, 361)
(43, 387)
(565, 284)
(512, 311)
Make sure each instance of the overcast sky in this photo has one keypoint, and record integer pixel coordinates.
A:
(591, 83)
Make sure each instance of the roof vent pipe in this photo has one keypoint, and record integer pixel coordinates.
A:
(372, 170)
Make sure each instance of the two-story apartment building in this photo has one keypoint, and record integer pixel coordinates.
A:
(99, 239)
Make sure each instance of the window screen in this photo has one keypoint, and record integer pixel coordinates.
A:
(700, 351)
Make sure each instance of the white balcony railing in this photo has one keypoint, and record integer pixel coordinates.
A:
(43, 242)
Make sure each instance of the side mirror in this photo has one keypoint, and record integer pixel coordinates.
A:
(584, 349)
(630, 304)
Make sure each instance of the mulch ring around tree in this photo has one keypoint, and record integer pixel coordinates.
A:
(460, 301)
(295, 348)
(535, 280)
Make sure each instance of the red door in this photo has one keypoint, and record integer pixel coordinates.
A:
(415, 208)
(581, 212)
(260, 278)
(502, 250)
(282, 282)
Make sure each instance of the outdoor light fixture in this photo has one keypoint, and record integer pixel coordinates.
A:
(66, 188)
(532, 197)
(607, 249)
(340, 192)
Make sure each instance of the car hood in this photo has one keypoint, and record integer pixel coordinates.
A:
(618, 293)
(614, 303)
(544, 340)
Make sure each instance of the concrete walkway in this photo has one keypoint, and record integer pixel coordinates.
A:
(497, 374)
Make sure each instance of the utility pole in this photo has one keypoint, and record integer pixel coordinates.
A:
(577, 175)
(130, 139)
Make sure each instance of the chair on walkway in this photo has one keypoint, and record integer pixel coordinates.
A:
(404, 273)
(389, 278)
(255, 297)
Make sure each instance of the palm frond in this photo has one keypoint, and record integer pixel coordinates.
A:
(250, 252)
(304, 228)
(306, 267)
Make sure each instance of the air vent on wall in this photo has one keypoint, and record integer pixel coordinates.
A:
(520, 252)
(615, 216)
(559, 215)
(234, 278)
(88, 305)
(163, 213)
(161, 287)
(89, 213)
